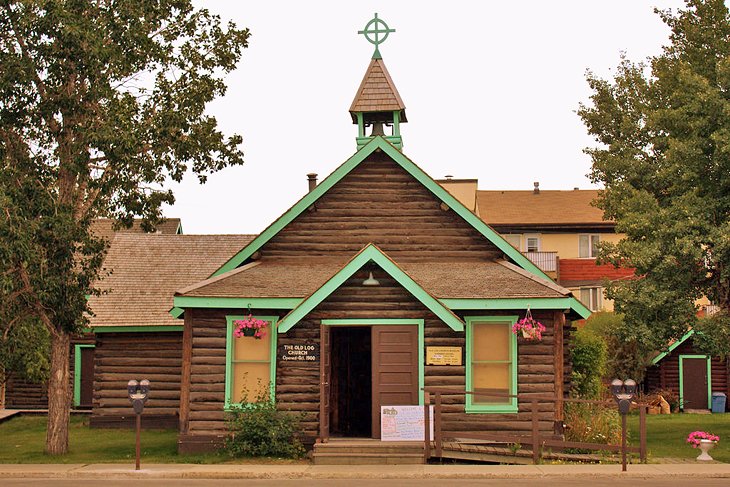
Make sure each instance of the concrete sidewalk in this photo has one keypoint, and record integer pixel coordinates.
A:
(187, 471)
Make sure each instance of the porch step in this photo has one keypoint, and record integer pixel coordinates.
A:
(368, 453)
(368, 458)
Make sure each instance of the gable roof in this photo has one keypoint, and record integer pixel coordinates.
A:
(377, 92)
(380, 144)
(147, 268)
(673, 346)
(370, 253)
(544, 208)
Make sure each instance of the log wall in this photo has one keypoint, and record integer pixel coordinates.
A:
(665, 375)
(297, 386)
(22, 394)
(380, 202)
(120, 357)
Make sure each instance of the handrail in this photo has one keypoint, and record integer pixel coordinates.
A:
(534, 439)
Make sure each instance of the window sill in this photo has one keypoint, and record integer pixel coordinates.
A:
(491, 409)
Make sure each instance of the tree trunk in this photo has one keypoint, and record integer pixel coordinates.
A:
(3, 387)
(59, 395)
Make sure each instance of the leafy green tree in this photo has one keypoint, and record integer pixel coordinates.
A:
(101, 103)
(664, 158)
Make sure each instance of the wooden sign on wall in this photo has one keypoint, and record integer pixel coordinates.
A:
(443, 355)
(300, 352)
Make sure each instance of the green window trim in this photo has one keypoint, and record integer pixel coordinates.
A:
(469, 406)
(681, 379)
(227, 404)
(394, 321)
(77, 371)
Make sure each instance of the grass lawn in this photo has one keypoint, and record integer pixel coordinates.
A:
(666, 435)
(23, 439)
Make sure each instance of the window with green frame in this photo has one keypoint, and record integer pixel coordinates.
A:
(491, 364)
(250, 362)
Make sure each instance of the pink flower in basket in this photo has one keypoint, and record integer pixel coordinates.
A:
(696, 437)
(530, 328)
(250, 327)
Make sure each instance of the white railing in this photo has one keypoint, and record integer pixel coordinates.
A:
(546, 261)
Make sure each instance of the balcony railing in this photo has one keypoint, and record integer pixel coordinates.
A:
(546, 261)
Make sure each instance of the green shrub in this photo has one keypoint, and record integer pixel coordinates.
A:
(259, 429)
(589, 364)
(592, 423)
(625, 356)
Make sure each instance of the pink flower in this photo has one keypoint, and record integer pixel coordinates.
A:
(250, 323)
(531, 327)
(696, 437)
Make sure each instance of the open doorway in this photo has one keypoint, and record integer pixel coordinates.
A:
(351, 382)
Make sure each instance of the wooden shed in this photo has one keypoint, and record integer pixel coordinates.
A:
(692, 375)
(365, 284)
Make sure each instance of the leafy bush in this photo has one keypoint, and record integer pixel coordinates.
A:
(589, 364)
(592, 423)
(626, 358)
(259, 429)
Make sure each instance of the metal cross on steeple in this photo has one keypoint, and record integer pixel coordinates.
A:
(376, 27)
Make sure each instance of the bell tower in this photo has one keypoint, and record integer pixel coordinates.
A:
(377, 109)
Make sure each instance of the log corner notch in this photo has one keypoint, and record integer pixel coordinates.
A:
(558, 362)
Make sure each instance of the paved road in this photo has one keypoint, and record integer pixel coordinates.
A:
(593, 482)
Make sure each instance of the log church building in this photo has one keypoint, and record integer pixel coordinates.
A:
(362, 284)
(375, 285)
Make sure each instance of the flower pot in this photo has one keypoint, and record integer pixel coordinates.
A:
(249, 332)
(529, 335)
(705, 446)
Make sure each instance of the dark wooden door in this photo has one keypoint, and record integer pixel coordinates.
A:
(395, 368)
(325, 370)
(86, 397)
(694, 383)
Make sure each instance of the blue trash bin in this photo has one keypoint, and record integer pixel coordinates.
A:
(718, 402)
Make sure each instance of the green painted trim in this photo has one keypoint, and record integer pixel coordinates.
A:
(135, 329)
(176, 312)
(370, 253)
(491, 408)
(77, 371)
(379, 143)
(396, 123)
(373, 321)
(394, 321)
(671, 348)
(681, 379)
(227, 404)
(360, 125)
(238, 303)
(518, 303)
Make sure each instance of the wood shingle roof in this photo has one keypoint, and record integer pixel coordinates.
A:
(377, 92)
(146, 269)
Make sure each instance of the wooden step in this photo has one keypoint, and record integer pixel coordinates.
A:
(368, 458)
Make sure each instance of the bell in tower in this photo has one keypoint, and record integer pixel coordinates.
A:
(377, 103)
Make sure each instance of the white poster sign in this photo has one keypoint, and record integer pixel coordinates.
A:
(403, 423)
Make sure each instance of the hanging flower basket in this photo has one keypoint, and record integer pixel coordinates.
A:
(529, 328)
(250, 327)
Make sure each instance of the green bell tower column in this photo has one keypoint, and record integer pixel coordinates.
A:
(377, 108)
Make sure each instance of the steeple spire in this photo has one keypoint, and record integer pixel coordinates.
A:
(377, 103)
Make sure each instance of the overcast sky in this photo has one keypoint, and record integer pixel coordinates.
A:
(490, 88)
